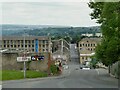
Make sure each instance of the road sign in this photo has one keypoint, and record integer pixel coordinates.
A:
(36, 58)
(22, 59)
(41, 58)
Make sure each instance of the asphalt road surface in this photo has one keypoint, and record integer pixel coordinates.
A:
(73, 77)
(74, 54)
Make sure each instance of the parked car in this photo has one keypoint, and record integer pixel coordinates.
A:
(65, 66)
(85, 67)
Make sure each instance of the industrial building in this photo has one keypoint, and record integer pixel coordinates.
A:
(32, 44)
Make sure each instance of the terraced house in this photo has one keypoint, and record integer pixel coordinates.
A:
(87, 49)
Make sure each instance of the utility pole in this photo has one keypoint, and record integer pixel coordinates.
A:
(49, 53)
(24, 59)
(61, 47)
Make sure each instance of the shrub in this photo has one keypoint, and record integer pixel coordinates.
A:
(53, 69)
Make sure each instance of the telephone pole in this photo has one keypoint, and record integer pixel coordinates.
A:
(24, 59)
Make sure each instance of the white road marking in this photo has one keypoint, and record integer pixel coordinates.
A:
(0, 87)
(90, 87)
(98, 72)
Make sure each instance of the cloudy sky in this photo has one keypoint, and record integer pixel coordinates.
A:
(47, 13)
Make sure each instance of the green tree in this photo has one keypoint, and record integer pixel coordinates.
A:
(107, 14)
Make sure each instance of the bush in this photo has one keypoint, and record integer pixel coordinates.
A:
(53, 69)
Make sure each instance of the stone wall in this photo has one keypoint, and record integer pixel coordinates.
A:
(9, 62)
(115, 69)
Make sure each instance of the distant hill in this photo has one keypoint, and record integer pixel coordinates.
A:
(43, 30)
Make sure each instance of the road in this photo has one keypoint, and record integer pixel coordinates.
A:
(74, 54)
(71, 78)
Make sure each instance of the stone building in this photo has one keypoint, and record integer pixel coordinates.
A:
(87, 49)
(32, 44)
(12, 47)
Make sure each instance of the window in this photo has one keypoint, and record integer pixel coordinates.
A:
(7, 41)
(86, 45)
(29, 45)
(46, 41)
(43, 50)
(94, 44)
(22, 45)
(43, 45)
(32, 45)
(32, 41)
(47, 45)
(15, 42)
(25, 41)
(14, 45)
(33, 50)
(25, 45)
(83, 44)
(11, 45)
(4, 45)
(7, 45)
(83, 58)
(88, 49)
(29, 41)
(18, 45)
(91, 49)
(91, 44)
(4, 41)
(43, 41)
(80, 45)
(11, 41)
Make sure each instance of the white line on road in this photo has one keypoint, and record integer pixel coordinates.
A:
(90, 87)
(0, 87)
(97, 71)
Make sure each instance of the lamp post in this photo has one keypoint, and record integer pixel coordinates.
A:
(24, 59)
(61, 47)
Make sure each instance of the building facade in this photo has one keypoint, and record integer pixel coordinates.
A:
(87, 49)
(33, 44)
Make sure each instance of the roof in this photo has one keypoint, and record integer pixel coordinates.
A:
(97, 40)
(26, 37)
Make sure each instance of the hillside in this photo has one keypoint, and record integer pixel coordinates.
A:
(43, 30)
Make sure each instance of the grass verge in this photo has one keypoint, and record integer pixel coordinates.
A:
(15, 75)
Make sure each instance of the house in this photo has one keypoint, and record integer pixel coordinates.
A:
(87, 49)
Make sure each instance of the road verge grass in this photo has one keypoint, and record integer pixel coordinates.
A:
(16, 75)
